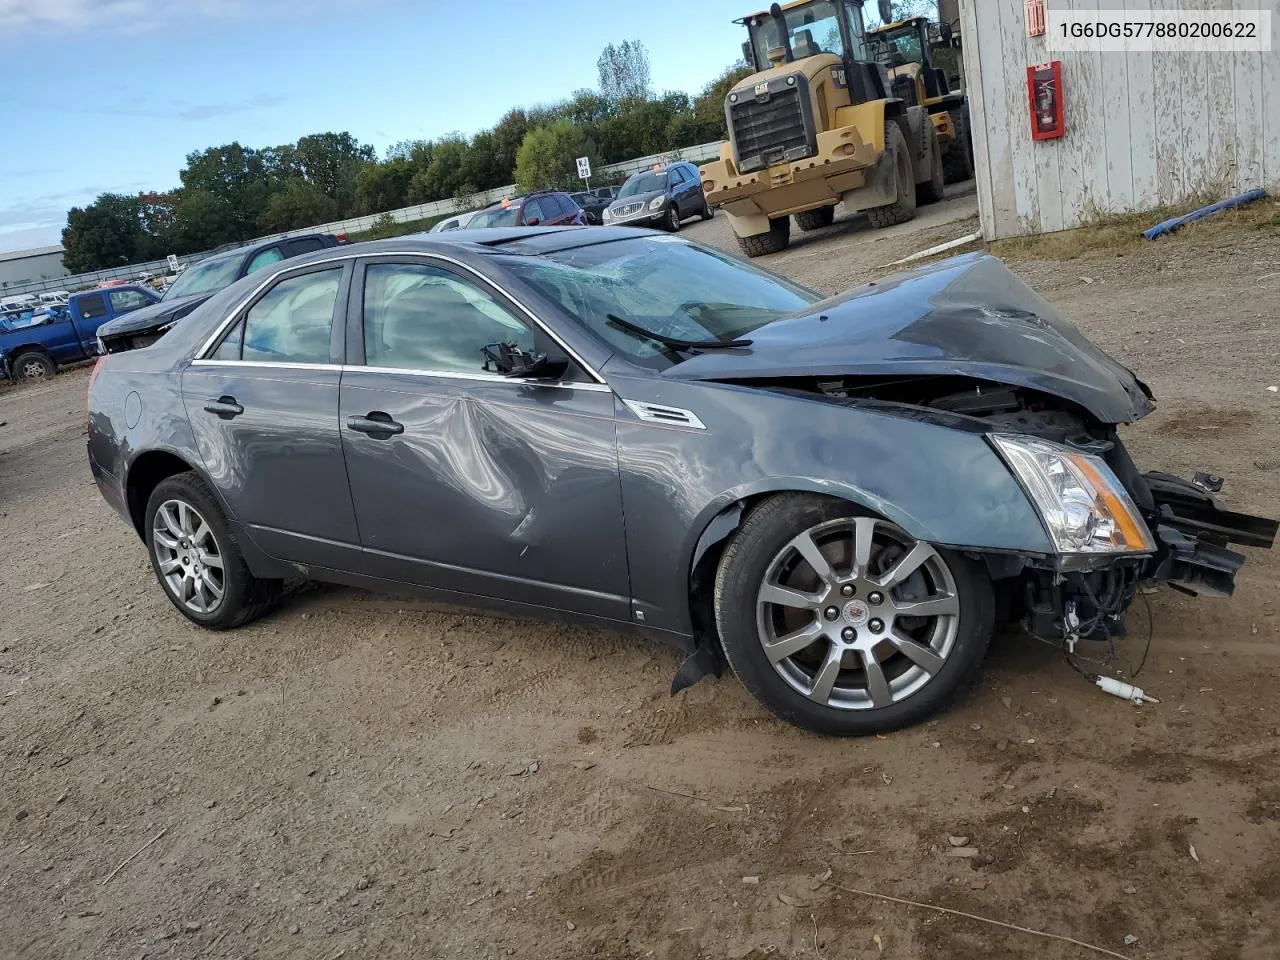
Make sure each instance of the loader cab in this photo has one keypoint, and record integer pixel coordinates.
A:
(903, 49)
(792, 35)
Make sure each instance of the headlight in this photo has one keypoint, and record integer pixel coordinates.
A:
(606, 215)
(1083, 504)
(657, 202)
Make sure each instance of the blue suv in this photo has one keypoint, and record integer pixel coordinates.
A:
(663, 196)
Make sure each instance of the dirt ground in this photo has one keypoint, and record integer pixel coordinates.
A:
(362, 776)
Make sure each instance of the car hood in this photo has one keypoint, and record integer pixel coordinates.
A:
(156, 315)
(966, 316)
(645, 198)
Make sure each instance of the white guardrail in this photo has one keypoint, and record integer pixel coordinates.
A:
(421, 211)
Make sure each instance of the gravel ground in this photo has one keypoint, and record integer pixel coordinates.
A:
(363, 776)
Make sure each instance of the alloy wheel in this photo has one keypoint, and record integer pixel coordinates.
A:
(855, 614)
(188, 557)
(32, 369)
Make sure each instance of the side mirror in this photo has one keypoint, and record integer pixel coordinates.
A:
(510, 361)
(945, 31)
(532, 222)
(746, 53)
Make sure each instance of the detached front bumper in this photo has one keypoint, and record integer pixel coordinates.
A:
(1193, 530)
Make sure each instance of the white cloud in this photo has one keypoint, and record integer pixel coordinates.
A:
(132, 16)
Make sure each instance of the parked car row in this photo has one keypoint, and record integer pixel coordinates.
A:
(664, 197)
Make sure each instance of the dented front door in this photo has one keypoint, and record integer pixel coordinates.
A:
(468, 481)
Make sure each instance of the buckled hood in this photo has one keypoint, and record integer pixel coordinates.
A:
(966, 316)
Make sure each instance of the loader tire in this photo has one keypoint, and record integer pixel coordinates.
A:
(903, 207)
(957, 162)
(774, 241)
(816, 219)
(930, 191)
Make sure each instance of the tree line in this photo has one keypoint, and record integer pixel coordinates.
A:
(233, 193)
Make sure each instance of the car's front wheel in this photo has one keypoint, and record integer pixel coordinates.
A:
(842, 623)
(197, 560)
(673, 217)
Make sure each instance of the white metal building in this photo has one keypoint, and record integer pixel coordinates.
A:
(24, 266)
(1142, 129)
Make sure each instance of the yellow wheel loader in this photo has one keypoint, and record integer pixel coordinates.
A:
(903, 48)
(814, 127)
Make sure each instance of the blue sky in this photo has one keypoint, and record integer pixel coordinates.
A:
(111, 95)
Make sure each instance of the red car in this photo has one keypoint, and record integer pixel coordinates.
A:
(546, 208)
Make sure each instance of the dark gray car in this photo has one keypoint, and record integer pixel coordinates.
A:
(841, 497)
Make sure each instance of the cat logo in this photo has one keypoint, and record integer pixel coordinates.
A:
(762, 89)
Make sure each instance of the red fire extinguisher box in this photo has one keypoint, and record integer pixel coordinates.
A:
(1044, 90)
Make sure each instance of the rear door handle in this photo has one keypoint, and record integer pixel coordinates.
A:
(377, 424)
(225, 407)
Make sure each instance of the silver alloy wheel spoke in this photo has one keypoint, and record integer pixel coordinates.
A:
(793, 643)
(825, 679)
(210, 559)
(170, 565)
(943, 605)
(877, 685)
(907, 565)
(864, 531)
(786, 597)
(807, 549)
(926, 658)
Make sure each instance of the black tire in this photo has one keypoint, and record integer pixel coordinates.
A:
(816, 219)
(763, 537)
(957, 162)
(774, 241)
(244, 597)
(673, 217)
(930, 191)
(708, 211)
(903, 207)
(32, 365)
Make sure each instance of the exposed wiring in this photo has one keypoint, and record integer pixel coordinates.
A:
(1150, 631)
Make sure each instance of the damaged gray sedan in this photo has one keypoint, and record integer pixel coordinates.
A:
(840, 498)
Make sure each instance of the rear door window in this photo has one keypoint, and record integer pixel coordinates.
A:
(93, 305)
(264, 258)
(290, 323)
(534, 210)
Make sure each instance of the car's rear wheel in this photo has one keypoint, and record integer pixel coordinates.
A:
(708, 211)
(842, 623)
(197, 560)
(32, 365)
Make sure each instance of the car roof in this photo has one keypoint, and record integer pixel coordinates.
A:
(527, 241)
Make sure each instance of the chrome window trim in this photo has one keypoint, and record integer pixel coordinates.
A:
(234, 315)
(268, 365)
(405, 371)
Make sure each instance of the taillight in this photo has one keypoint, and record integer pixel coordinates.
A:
(341, 237)
(93, 375)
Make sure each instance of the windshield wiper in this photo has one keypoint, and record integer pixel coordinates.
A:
(675, 343)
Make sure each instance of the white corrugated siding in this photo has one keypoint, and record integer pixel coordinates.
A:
(1143, 129)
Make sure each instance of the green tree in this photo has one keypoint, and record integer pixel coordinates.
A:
(107, 233)
(236, 177)
(547, 157)
(624, 71)
(384, 186)
(300, 204)
(203, 220)
(508, 135)
(331, 162)
(441, 177)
